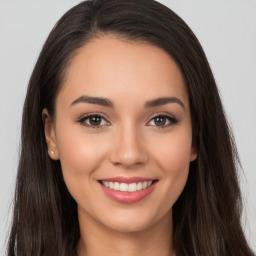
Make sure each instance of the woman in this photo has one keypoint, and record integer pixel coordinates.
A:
(125, 145)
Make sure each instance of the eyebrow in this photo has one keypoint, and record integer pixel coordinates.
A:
(163, 101)
(107, 103)
(93, 100)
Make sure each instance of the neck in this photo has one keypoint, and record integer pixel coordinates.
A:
(97, 239)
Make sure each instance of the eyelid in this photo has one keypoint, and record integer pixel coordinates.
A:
(88, 115)
(170, 117)
(173, 120)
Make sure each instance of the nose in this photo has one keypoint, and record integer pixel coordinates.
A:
(128, 148)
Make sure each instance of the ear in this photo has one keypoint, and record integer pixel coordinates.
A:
(193, 154)
(50, 136)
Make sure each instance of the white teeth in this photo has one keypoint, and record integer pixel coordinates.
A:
(105, 183)
(111, 185)
(132, 187)
(139, 186)
(124, 187)
(116, 186)
(145, 184)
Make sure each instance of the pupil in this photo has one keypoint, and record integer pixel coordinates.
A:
(95, 120)
(160, 120)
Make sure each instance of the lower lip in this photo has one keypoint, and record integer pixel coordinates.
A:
(128, 197)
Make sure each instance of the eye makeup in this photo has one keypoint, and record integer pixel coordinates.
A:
(98, 121)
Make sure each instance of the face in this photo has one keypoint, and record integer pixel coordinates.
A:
(122, 132)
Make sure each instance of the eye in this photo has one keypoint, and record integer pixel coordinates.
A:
(94, 121)
(162, 121)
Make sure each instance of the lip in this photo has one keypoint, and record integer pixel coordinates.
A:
(128, 197)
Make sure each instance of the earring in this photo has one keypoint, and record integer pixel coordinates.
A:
(51, 152)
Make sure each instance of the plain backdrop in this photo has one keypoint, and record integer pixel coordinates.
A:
(227, 32)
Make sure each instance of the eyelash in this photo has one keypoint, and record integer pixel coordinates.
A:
(172, 121)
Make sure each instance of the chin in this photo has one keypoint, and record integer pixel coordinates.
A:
(125, 227)
(131, 221)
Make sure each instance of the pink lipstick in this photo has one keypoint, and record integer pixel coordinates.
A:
(127, 189)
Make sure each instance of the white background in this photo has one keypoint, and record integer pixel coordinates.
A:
(227, 31)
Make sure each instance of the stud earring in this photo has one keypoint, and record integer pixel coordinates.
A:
(51, 152)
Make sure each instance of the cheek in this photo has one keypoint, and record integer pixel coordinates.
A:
(80, 156)
(173, 158)
(174, 152)
(80, 153)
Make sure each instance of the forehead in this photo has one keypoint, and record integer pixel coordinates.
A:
(109, 67)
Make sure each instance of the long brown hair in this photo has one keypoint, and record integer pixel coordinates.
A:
(206, 216)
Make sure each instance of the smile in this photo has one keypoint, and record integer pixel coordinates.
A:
(125, 187)
(127, 190)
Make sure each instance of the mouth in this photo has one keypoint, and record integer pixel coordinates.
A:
(127, 190)
(127, 187)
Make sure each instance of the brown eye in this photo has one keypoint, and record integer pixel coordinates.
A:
(94, 121)
(162, 121)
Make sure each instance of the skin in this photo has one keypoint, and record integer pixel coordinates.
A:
(129, 142)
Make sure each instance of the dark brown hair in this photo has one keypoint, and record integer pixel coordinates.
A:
(206, 216)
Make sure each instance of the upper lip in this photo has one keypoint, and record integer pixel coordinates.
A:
(122, 179)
